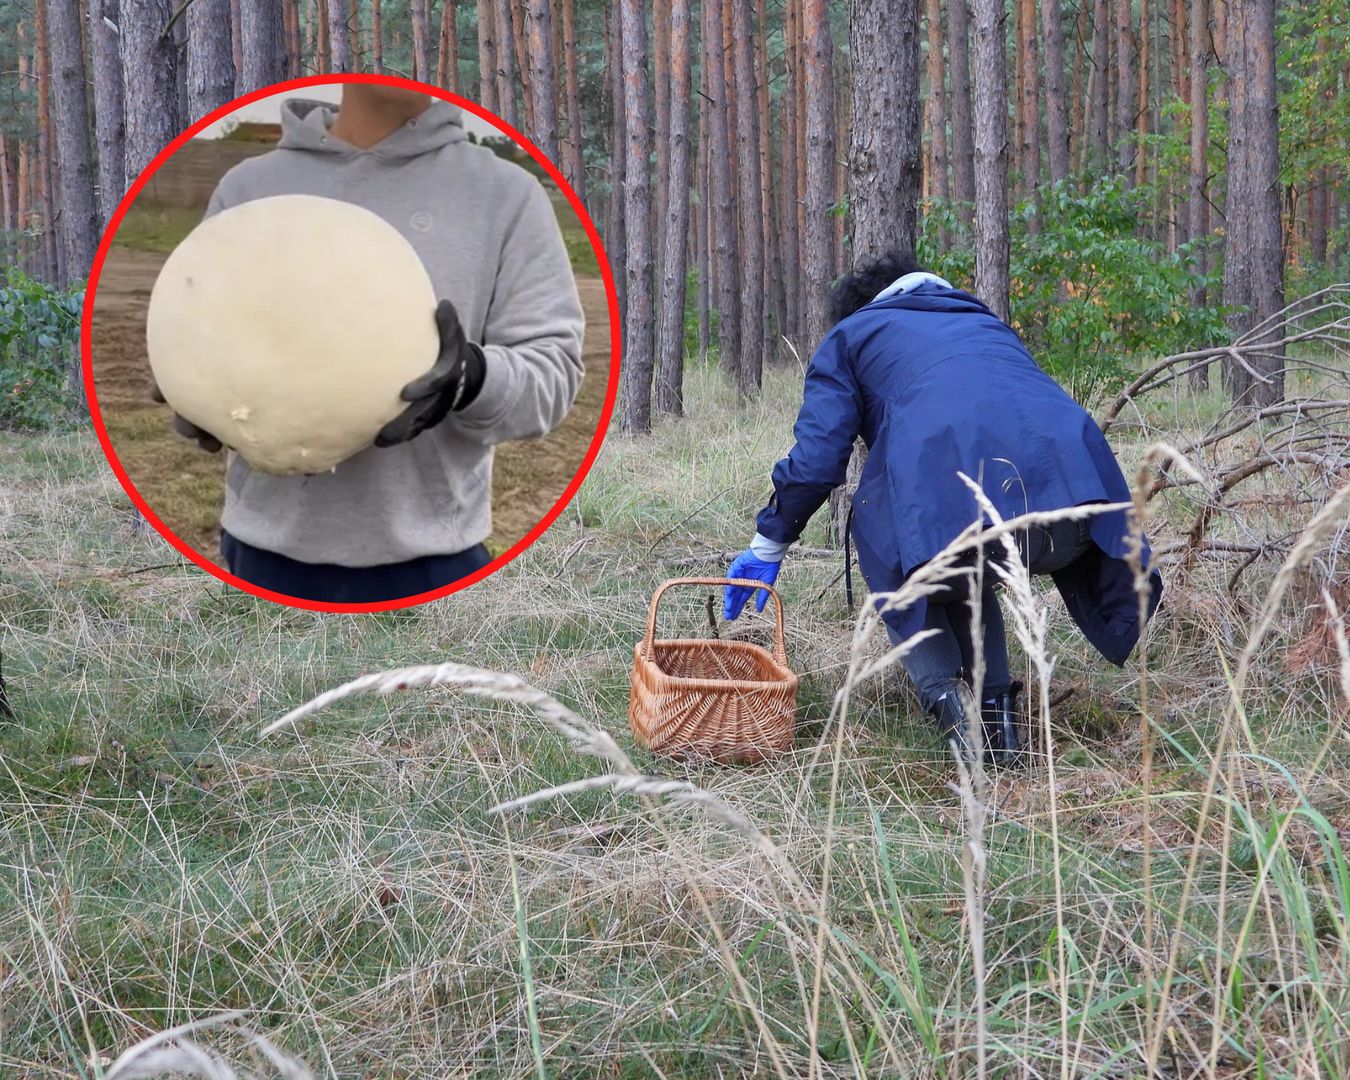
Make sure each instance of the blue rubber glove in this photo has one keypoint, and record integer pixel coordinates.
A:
(747, 565)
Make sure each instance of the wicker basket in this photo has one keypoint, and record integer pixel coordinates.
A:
(728, 700)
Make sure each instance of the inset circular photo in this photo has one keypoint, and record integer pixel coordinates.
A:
(349, 343)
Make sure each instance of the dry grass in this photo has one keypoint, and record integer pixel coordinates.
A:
(435, 882)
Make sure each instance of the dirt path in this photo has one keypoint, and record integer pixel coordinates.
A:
(185, 486)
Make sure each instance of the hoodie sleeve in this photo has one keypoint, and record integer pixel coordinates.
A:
(532, 335)
(827, 424)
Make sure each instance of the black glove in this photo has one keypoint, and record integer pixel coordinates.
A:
(452, 383)
(186, 428)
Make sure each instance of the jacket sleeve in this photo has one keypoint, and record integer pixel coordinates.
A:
(829, 421)
(532, 334)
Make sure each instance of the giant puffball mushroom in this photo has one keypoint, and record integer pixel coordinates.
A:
(287, 326)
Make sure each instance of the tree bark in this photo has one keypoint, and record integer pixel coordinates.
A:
(487, 55)
(723, 221)
(236, 48)
(936, 105)
(210, 63)
(109, 117)
(750, 362)
(991, 157)
(1098, 86)
(702, 216)
(775, 296)
(47, 164)
(522, 63)
(1266, 260)
(791, 174)
(661, 115)
(886, 148)
(543, 79)
(1030, 111)
(417, 14)
(149, 73)
(8, 201)
(264, 42)
(670, 338)
(295, 53)
(1056, 111)
(818, 240)
(574, 161)
(79, 214)
(1197, 206)
(1142, 107)
(1124, 132)
(447, 58)
(639, 338)
(616, 229)
(339, 41)
(963, 131)
(506, 64)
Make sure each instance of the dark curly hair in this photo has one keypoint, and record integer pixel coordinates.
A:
(857, 288)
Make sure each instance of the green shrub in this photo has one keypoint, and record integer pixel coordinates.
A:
(39, 340)
(1089, 293)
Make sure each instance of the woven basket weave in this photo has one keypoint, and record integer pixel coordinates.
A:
(728, 700)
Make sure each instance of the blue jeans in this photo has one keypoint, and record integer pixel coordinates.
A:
(346, 584)
(939, 660)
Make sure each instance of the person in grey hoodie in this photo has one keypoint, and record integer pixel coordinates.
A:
(410, 514)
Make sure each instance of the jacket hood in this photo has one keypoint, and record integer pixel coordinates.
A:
(305, 126)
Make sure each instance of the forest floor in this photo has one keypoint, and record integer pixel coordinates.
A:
(346, 884)
(185, 487)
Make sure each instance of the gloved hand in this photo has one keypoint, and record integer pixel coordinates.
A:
(452, 383)
(748, 565)
(186, 428)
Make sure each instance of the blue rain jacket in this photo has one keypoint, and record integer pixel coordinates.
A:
(935, 383)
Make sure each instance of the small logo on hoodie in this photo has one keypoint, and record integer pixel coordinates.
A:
(422, 221)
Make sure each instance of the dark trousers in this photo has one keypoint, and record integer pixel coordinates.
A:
(346, 584)
(939, 660)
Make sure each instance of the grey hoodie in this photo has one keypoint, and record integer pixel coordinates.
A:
(486, 231)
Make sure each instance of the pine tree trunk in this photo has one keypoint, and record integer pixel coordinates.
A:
(1142, 107)
(79, 214)
(963, 131)
(339, 41)
(1078, 106)
(353, 33)
(210, 63)
(1098, 87)
(8, 202)
(1056, 111)
(616, 230)
(24, 182)
(295, 56)
(991, 156)
(1124, 130)
(639, 337)
(818, 238)
(775, 296)
(723, 234)
(236, 48)
(1030, 111)
(573, 160)
(670, 339)
(264, 42)
(47, 164)
(661, 115)
(506, 64)
(447, 57)
(1197, 206)
(487, 55)
(885, 152)
(543, 79)
(323, 49)
(109, 117)
(937, 105)
(750, 362)
(791, 175)
(1180, 55)
(522, 63)
(417, 14)
(1266, 260)
(1238, 225)
(149, 76)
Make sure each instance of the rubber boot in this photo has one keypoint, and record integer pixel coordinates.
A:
(955, 713)
(1004, 744)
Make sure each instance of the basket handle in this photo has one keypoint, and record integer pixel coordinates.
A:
(779, 647)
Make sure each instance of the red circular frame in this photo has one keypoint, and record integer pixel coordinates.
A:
(606, 275)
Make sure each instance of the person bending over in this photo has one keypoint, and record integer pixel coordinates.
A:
(936, 384)
(410, 514)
